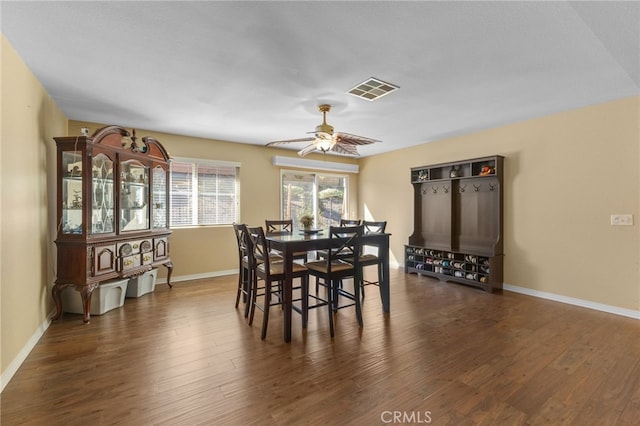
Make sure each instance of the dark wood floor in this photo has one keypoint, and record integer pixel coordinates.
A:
(446, 355)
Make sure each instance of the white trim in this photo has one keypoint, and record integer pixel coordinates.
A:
(315, 164)
(198, 276)
(13, 367)
(573, 301)
(206, 161)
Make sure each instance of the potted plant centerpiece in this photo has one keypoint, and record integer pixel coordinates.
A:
(306, 221)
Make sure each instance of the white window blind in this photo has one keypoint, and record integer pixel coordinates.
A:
(203, 192)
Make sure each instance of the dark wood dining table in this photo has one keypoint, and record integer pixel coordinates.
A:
(298, 240)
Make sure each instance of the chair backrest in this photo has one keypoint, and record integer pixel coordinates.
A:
(241, 236)
(278, 226)
(259, 249)
(350, 244)
(374, 227)
(350, 222)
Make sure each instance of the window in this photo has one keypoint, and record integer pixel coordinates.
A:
(203, 192)
(323, 196)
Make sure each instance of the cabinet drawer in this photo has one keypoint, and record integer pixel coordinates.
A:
(129, 262)
(104, 259)
(146, 258)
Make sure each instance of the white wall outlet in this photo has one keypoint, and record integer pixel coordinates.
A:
(621, 219)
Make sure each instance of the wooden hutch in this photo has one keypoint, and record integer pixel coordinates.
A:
(113, 210)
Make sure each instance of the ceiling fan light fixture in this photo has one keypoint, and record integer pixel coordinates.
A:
(324, 144)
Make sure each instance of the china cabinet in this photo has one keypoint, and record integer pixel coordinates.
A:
(458, 222)
(113, 209)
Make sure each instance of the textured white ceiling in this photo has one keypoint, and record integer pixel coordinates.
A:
(252, 72)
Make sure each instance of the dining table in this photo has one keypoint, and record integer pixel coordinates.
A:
(300, 240)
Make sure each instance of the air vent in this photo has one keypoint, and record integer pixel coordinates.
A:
(372, 89)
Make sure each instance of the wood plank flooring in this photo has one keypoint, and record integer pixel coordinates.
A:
(446, 355)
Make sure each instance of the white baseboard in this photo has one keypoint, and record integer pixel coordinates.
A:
(573, 301)
(13, 367)
(197, 276)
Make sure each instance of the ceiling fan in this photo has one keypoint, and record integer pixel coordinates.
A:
(326, 140)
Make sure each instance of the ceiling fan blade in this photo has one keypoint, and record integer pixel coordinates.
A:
(349, 139)
(307, 150)
(308, 139)
(345, 149)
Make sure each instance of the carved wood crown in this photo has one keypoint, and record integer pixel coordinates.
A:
(117, 137)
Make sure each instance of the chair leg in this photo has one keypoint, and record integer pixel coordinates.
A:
(330, 308)
(240, 285)
(254, 297)
(305, 301)
(249, 296)
(267, 305)
(357, 300)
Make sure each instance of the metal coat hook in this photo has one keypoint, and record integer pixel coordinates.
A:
(435, 189)
(462, 188)
(476, 188)
(446, 189)
(492, 187)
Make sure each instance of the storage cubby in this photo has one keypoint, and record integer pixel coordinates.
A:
(458, 222)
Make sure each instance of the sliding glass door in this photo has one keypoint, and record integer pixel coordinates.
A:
(323, 196)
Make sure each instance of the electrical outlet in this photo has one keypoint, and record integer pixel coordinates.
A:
(621, 219)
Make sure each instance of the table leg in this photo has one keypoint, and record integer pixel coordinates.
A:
(385, 283)
(288, 292)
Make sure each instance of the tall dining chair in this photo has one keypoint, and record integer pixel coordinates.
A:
(270, 272)
(369, 259)
(245, 266)
(283, 227)
(339, 265)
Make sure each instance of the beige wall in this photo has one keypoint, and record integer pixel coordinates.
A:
(27, 156)
(208, 250)
(565, 174)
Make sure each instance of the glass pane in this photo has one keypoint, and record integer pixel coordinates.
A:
(181, 194)
(102, 217)
(72, 192)
(159, 198)
(331, 200)
(216, 194)
(298, 196)
(134, 195)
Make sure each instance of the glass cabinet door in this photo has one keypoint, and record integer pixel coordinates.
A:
(159, 206)
(102, 217)
(71, 192)
(134, 196)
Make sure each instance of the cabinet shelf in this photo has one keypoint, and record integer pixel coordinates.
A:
(480, 167)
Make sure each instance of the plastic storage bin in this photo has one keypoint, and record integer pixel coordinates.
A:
(107, 296)
(142, 284)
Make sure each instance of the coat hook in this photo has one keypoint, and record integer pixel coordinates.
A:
(446, 189)
(476, 188)
(462, 188)
(435, 189)
(492, 187)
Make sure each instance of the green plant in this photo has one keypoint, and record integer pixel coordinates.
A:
(306, 220)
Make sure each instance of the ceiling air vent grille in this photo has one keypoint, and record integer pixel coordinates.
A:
(372, 89)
